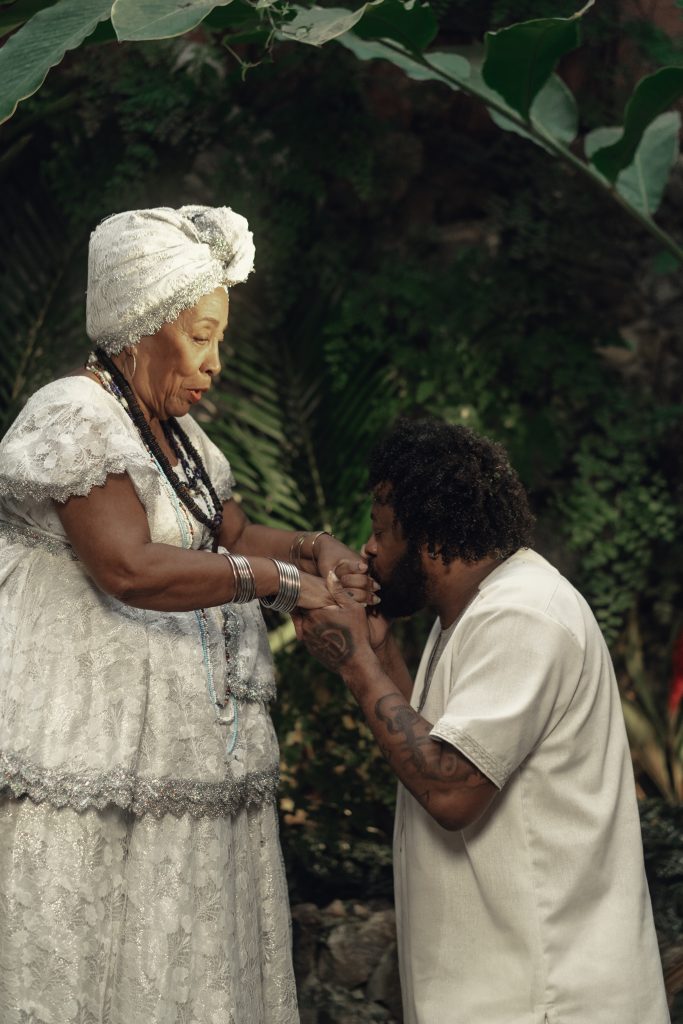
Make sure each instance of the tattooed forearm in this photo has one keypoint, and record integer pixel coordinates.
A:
(331, 645)
(415, 756)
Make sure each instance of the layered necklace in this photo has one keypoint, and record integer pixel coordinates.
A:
(111, 378)
(113, 381)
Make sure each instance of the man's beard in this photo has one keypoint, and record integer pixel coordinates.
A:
(404, 592)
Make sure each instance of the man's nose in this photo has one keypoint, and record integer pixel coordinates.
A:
(370, 547)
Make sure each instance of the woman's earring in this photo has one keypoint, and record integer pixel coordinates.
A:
(135, 362)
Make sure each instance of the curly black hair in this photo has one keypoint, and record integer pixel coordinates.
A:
(452, 490)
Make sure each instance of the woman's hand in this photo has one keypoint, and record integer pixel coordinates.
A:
(355, 582)
(330, 552)
(314, 593)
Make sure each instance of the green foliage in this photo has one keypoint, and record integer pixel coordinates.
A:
(662, 827)
(642, 183)
(336, 792)
(27, 56)
(521, 58)
(404, 263)
(653, 95)
(619, 512)
(159, 19)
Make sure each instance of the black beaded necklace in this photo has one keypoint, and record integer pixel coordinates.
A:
(174, 433)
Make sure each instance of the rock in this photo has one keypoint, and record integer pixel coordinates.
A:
(307, 915)
(354, 950)
(384, 985)
(336, 909)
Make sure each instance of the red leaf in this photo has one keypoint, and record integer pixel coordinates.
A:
(676, 687)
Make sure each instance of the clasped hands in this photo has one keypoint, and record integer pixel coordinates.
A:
(346, 628)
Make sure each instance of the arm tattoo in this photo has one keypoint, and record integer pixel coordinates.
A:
(331, 645)
(421, 757)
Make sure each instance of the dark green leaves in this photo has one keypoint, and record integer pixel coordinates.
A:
(642, 183)
(28, 55)
(16, 14)
(653, 95)
(411, 24)
(521, 58)
(159, 19)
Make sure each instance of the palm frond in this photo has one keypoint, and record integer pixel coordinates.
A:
(36, 258)
(298, 445)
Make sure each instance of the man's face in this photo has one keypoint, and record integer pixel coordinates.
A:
(396, 565)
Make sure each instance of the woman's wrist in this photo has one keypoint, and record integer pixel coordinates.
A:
(263, 571)
(330, 552)
(307, 547)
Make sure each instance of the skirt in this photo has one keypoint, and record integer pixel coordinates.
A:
(108, 918)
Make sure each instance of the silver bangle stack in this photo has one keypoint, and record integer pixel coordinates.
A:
(289, 590)
(245, 584)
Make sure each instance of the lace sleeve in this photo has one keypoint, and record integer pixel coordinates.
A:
(68, 438)
(217, 466)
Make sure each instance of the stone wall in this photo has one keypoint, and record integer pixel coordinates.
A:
(345, 963)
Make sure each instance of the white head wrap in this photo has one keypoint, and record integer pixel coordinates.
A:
(146, 266)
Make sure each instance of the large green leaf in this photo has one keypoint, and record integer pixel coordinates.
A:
(28, 55)
(159, 19)
(642, 183)
(16, 14)
(412, 24)
(553, 112)
(318, 25)
(521, 58)
(653, 95)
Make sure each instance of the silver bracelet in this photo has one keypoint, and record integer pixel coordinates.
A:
(320, 533)
(245, 583)
(289, 589)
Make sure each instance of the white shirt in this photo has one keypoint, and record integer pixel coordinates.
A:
(538, 913)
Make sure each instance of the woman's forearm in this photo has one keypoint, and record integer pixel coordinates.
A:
(269, 542)
(168, 579)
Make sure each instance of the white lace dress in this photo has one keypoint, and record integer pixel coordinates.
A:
(141, 879)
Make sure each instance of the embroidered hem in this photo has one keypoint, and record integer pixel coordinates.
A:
(495, 770)
(126, 789)
(29, 490)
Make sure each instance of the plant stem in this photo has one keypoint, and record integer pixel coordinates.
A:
(561, 151)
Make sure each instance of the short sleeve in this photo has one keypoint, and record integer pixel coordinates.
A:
(217, 466)
(513, 674)
(69, 438)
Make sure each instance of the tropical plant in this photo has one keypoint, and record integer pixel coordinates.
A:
(367, 301)
(514, 76)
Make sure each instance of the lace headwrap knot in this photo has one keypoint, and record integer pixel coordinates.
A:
(146, 266)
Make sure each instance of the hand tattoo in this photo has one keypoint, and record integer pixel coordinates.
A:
(331, 645)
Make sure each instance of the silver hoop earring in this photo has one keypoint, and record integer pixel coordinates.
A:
(135, 362)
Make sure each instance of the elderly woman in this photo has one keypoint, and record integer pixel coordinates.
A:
(141, 879)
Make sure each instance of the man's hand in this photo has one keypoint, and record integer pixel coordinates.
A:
(449, 786)
(340, 634)
(353, 576)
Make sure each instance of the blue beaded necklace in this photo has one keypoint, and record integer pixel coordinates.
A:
(194, 478)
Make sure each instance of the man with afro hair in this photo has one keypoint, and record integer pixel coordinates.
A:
(520, 888)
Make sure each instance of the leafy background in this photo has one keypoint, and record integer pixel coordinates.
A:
(410, 257)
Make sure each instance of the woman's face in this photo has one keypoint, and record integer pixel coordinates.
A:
(175, 366)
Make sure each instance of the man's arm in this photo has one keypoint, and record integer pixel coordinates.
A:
(449, 787)
(392, 663)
